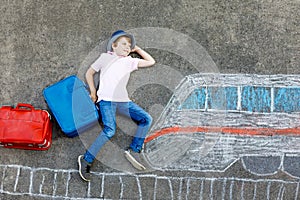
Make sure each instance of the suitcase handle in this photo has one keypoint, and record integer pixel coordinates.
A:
(6, 107)
(24, 105)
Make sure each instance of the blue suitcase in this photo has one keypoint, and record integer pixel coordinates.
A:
(71, 105)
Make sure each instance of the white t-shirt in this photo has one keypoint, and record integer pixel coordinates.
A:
(114, 75)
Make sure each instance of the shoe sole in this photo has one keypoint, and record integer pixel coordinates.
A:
(79, 165)
(134, 162)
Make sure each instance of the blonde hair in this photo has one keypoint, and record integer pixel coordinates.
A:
(117, 40)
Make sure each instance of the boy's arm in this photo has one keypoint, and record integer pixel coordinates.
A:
(147, 60)
(89, 75)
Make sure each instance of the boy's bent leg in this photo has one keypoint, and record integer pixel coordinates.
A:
(144, 121)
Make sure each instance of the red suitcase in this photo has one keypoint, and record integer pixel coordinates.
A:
(25, 127)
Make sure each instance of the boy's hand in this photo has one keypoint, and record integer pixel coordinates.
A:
(93, 97)
(135, 49)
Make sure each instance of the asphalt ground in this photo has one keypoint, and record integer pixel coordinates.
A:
(45, 41)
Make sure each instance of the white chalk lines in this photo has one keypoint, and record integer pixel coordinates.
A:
(18, 180)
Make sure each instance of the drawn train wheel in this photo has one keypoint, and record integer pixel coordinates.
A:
(291, 165)
(262, 165)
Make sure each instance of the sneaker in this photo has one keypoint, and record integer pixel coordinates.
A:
(84, 169)
(134, 159)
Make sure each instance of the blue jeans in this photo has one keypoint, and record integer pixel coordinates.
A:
(108, 112)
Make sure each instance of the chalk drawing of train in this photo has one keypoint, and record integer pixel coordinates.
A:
(213, 120)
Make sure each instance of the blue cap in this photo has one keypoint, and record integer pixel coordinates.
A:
(118, 34)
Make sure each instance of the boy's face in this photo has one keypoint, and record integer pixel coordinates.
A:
(122, 46)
